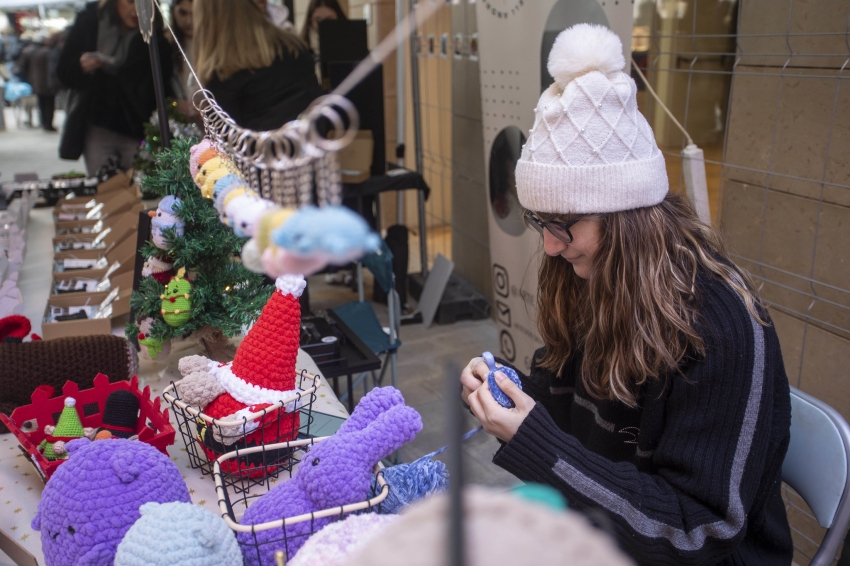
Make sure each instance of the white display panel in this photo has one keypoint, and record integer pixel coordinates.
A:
(514, 41)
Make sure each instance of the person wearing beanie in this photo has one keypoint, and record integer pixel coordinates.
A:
(660, 396)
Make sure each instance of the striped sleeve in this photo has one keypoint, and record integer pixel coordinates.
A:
(709, 461)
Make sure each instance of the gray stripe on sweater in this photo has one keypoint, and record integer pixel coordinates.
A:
(695, 538)
(609, 426)
(561, 390)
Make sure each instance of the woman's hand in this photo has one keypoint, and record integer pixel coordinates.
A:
(90, 63)
(473, 375)
(500, 421)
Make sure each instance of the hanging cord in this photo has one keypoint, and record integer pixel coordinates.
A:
(658, 100)
(325, 106)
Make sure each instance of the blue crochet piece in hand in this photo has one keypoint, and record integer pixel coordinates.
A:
(497, 393)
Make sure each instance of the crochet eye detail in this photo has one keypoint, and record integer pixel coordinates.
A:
(71, 530)
(316, 462)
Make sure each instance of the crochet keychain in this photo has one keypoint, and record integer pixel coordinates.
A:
(497, 393)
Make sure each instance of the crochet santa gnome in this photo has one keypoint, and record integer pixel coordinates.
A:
(262, 374)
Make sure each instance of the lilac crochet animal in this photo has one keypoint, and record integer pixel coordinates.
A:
(334, 472)
(93, 499)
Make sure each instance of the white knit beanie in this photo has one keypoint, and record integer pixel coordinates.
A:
(590, 150)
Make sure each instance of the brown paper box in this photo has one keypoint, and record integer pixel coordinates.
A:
(355, 160)
(86, 327)
(122, 180)
(123, 251)
(108, 238)
(113, 203)
(122, 277)
(118, 225)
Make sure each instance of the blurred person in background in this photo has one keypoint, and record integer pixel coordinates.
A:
(278, 14)
(34, 66)
(318, 11)
(259, 74)
(183, 83)
(107, 65)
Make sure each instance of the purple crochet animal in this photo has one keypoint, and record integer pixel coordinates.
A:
(334, 472)
(93, 499)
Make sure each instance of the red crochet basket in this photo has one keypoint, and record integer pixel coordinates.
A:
(27, 423)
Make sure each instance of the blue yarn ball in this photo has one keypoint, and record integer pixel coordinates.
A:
(411, 482)
(497, 393)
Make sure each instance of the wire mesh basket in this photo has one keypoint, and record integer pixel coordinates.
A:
(260, 542)
(250, 435)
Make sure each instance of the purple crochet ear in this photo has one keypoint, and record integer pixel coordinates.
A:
(387, 433)
(36, 522)
(376, 402)
(124, 465)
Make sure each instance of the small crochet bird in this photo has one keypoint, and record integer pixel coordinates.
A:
(166, 217)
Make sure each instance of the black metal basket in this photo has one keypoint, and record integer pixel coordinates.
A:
(249, 436)
(260, 542)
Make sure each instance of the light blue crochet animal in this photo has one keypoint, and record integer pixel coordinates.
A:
(178, 533)
(333, 231)
(227, 181)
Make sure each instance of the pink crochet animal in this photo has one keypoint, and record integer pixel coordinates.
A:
(334, 472)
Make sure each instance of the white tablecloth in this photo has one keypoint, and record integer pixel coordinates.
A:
(20, 485)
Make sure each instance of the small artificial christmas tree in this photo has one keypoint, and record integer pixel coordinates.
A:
(223, 295)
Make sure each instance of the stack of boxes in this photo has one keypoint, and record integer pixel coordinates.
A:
(94, 257)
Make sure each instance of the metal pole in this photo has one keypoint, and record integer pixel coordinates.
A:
(159, 90)
(417, 140)
(456, 552)
(399, 90)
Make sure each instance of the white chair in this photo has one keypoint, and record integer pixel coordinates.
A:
(817, 466)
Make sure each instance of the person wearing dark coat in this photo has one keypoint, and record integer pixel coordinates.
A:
(260, 75)
(107, 64)
(34, 67)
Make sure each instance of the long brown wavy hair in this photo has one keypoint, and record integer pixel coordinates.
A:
(233, 35)
(634, 319)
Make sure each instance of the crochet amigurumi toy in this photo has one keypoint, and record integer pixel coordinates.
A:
(176, 307)
(336, 232)
(166, 217)
(93, 499)
(68, 427)
(28, 365)
(333, 473)
(178, 533)
(333, 545)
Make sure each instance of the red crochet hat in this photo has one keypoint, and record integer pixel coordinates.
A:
(263, 371)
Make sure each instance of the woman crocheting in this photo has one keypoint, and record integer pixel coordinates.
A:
(660, 395)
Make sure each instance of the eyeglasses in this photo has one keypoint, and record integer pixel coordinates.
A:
(560, 230)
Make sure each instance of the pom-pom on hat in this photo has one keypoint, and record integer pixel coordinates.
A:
(590, 150)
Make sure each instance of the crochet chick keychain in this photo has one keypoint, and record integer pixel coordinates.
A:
(511, 374)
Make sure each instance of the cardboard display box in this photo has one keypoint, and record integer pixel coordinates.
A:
(117, 275)
(123, 251)
(355, 159)
(95, 208)
(118, 301)
(114, 229)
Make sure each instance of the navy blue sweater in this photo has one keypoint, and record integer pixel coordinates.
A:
(691, 476)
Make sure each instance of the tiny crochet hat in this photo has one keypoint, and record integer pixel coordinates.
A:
(263, 370)
(121, 413)
(590, 150)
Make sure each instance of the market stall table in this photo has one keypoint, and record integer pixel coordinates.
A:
(21, 487)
